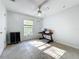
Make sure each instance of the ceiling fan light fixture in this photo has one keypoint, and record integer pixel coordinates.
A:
(39, 11)
(39, 14)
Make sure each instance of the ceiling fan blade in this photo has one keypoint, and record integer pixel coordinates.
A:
(43, 3)
(13, 0)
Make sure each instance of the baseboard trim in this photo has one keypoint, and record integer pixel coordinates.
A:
(68, 44)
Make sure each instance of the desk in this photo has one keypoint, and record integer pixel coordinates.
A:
(49, 34)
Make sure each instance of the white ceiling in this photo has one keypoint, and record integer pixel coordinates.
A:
(30, 6)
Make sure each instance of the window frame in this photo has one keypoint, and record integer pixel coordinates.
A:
(28, 26)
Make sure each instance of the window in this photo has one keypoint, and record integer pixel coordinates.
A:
(28, 26)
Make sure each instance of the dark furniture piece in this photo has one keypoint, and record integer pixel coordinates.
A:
(49, 34)
(14, 37)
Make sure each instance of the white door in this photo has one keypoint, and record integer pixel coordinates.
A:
(2, 27)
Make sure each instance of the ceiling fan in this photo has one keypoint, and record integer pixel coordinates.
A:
(13, 0)
(40, 6)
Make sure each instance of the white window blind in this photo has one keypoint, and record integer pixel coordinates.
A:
(28, 27)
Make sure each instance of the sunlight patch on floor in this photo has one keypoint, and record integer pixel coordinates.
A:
(44, 46)
(55, 52)
(48, 49)
(39, 44)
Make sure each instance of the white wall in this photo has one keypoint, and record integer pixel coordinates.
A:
(15, 24)
(65, 25)
(2, 27)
